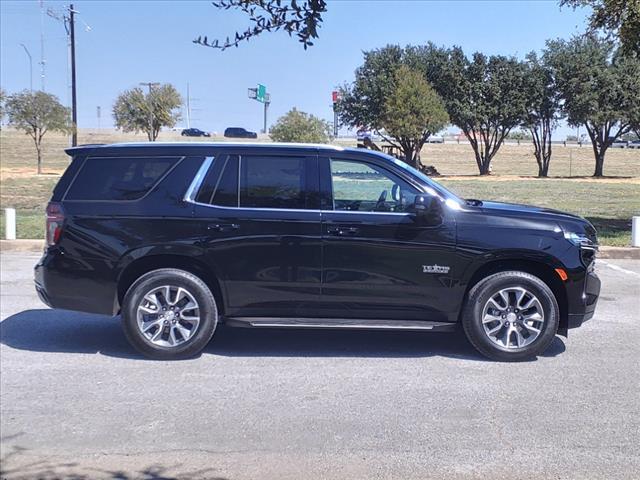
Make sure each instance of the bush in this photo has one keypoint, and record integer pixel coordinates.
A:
(297, 126)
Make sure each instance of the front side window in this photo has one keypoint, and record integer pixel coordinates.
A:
(272, 182)
(363, 187)
(127, 178)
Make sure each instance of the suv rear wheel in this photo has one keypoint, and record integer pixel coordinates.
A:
(169, 314)
(511, 316)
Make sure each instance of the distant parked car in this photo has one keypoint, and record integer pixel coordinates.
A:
(194, 132)
(633, 144)
(239, 132)
(435, 139)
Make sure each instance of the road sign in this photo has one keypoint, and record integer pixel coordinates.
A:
(335, 96)
(261, 93)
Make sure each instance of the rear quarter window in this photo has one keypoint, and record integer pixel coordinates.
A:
(125, 178)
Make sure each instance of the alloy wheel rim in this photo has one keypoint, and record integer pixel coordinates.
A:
(513, 318)
(168, 316)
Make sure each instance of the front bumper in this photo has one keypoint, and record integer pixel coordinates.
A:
(589, 300)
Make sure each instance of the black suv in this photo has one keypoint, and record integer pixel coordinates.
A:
(239, 132)
(180, 237)
(194, 132)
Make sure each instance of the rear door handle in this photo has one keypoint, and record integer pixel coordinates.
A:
(223, 227)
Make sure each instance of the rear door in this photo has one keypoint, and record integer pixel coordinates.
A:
(260, 225)
(377, 254)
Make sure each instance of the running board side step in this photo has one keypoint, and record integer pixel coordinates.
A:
(337, 323)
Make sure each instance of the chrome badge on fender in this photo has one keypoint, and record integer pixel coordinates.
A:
(435, 269)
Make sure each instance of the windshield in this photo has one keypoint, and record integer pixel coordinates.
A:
(445, 192)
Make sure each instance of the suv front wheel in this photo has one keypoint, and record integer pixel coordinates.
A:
(169, 314)
(511, 316)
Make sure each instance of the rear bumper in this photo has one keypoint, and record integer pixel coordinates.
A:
(65, 283)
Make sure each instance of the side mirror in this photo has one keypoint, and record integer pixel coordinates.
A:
(422, 204)
(427, 209)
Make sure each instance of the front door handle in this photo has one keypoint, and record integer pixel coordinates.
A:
(223, 227)
(342, 231)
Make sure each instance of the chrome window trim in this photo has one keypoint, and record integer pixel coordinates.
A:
(196, 183)
(190, 197)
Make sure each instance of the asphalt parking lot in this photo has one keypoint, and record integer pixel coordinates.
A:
(77, 402)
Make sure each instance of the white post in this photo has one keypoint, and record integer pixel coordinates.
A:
(635, 232)
(10, 223)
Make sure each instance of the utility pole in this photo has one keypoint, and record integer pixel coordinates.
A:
(188, 108)
(26, 50)
(74, 106)
(42, 45)
(150, 102)
(98, 112)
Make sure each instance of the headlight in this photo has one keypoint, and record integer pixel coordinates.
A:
(587, 247)
(580, 240)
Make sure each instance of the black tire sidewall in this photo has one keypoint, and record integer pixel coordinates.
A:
(179, 278)
(480, 294)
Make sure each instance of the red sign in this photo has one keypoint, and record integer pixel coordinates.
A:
(335, 95)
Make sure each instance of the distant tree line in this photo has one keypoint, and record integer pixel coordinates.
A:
(585, 80)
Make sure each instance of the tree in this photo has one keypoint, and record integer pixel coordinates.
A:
(394, 100)
(302, 19)
(412, 113)
(297, 126)
(484, 96)
(619, 18)
(543, 109)
(37, 113)
(599, 88)
(135, 111)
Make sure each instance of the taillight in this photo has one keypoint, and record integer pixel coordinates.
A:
(55, 221)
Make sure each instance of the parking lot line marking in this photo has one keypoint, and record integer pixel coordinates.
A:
(619, 269)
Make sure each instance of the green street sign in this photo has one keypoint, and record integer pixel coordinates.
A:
(261, 94)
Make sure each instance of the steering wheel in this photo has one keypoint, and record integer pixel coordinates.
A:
(381, 199)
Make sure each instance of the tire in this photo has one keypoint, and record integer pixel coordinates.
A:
(514, 339)
(173, 332)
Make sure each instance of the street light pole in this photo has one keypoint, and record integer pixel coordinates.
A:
(74, 106)
(150, 102)
(26, 50)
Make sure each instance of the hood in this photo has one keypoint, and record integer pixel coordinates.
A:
(568, 222)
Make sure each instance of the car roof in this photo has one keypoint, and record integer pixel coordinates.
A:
(198, 146)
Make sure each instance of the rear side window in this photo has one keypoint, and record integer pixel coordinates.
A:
(272, 182)
(128, 178)
(221, 184)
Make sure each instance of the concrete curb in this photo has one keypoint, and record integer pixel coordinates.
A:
(38, 246)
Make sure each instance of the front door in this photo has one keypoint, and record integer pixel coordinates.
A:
(379, 258)
(261, 225)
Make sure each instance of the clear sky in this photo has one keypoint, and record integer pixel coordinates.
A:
(143, 41)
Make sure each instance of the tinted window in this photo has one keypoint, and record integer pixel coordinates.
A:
(272, 182)
(220, 186)
(118, 178)
(366, 187)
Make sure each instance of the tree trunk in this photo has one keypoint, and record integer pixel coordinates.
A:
(599, 171)
(39, 160)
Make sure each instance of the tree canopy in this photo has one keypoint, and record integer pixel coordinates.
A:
(37, 113)
(618, 18)
(300, 18)
(297, 126)
(484, 95)
(599, 88)
(137, 111)
(395, 100)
